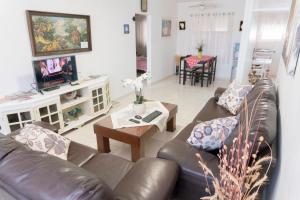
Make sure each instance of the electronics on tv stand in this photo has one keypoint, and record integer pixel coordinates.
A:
(74, 83)
(51, 88)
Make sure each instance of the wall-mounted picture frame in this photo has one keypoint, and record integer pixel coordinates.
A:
(166, 28)
(126, 29)
(144, 5)
(58, 33)
(182, 25)
(291, 49)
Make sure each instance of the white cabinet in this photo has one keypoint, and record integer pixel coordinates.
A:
(91, 99)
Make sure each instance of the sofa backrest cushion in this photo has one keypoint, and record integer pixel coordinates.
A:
(39, 176)
(263, 113)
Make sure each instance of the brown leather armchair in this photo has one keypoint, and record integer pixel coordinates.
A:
(26, 174)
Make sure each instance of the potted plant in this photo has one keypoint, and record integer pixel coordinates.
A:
(200, 50)
(137, 84)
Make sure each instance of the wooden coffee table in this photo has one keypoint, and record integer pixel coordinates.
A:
(134, 136)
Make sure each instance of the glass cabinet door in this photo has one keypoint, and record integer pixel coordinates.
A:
(97, 100)
(107, 94)
(50, 113)
(19, 119)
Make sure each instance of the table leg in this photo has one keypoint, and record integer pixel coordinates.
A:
(103, 144)
(202, 75)
(171, 124)
(136, 151)
(184, 77)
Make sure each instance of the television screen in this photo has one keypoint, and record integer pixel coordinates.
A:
(55, 71)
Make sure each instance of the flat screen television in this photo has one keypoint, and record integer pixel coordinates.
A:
(52, 72)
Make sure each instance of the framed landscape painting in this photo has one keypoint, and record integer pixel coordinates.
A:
(291, 48)
(58, 33)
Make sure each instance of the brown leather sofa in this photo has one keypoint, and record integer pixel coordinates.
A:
(192, 183)
(26, 174)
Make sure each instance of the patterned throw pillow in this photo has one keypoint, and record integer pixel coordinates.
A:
(44, 140)
(234, 96)
(210, 135)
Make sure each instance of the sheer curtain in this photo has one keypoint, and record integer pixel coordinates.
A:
(213, 30)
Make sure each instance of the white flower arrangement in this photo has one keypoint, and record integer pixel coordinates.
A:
(137, 85)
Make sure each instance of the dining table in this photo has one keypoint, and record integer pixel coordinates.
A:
(194, 63)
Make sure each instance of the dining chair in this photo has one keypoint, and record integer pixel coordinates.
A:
(214, 68)
(204, 72)
(184, 71)
(177, 61)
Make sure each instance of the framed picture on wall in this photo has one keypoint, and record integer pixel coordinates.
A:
(166, 28)
(182, 26)
(126, 28)
(58, 33)
(144, 5)
(291, 47)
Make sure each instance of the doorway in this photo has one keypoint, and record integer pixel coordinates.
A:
(142, 57)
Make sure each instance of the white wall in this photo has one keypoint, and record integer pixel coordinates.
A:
(163, 49)
(287, 185)
(113, 52)
(184, 12)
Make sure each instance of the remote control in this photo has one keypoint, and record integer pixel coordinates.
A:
(152, 116)
(138, 117)
(135, 121)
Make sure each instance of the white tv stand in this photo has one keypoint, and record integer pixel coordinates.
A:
(93, 99)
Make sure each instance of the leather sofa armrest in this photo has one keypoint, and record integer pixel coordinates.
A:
(185, 156)
(192, 181)
(150, 178)
(219, 91)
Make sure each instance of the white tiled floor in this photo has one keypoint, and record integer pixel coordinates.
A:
(190, 100)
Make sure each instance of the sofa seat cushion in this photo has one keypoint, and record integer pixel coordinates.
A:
(149, 179)
(108, 167)
(80, 154)
(186, 132)
(212, 111)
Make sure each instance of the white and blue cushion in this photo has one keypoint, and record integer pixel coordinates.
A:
(210, 135)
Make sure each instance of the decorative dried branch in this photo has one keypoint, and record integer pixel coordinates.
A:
(241, 175)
